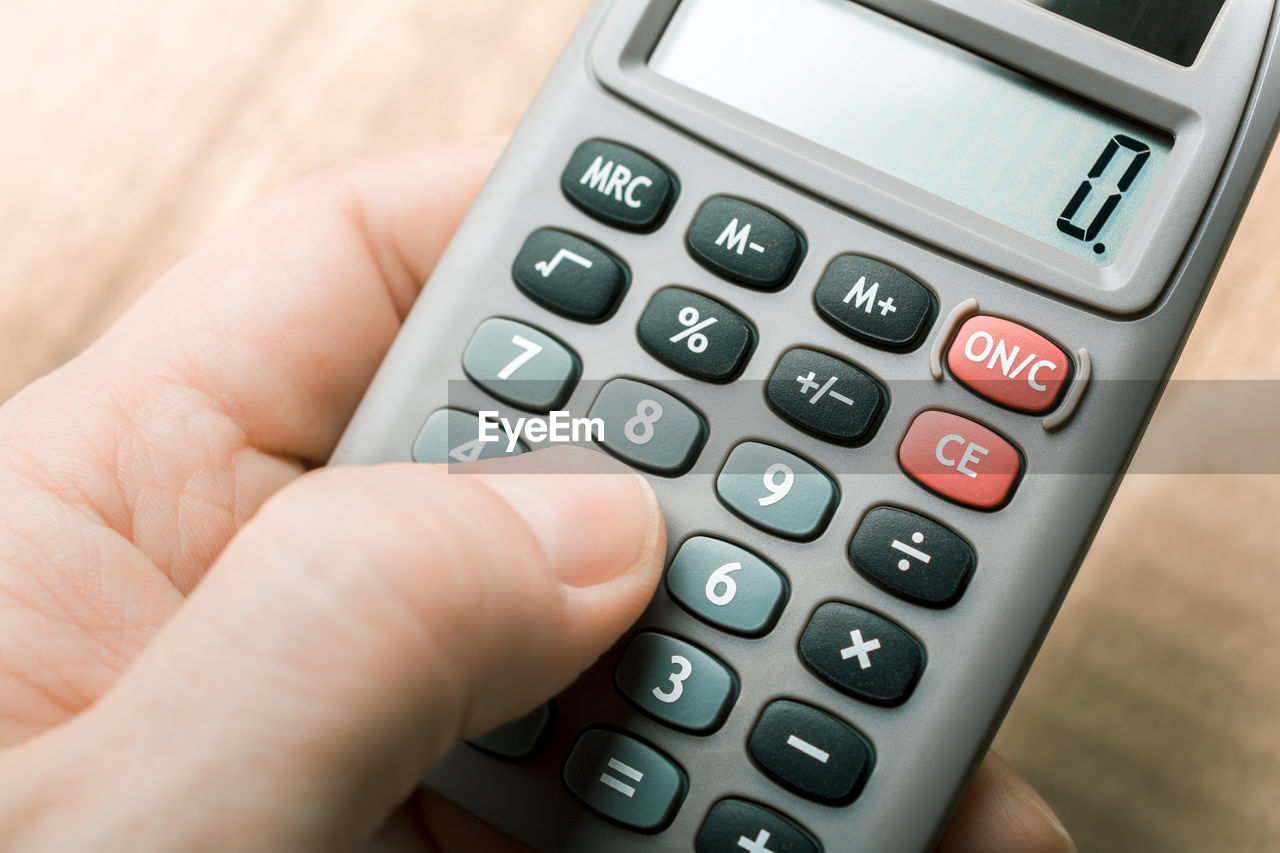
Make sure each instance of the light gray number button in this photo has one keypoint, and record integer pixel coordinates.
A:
(728, 586)
(676, 682)
(778, 491)
(450, 435)
(521, 365)
(649, 428)
(625, 780)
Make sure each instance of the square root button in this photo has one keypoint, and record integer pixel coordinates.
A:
(961, 460)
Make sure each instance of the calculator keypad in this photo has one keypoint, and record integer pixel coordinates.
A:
(618, 186)
(913, 557)
(727, 586)
(625, 780)
(777, 491)
(649, 428)
(520, 739)
(811, 752)
(827, 396)
(863, 654)
(521, 365)
(569, 275)
(876, 303)
(745, 243)
(735, 825)
(696, 335)
(450, 435)
(676, 682)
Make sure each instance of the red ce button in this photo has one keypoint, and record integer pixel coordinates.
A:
(960, 459)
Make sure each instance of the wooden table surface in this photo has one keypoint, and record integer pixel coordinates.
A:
(133, 128)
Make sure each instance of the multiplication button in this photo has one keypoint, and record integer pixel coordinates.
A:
(875, 303)
(696, 335)
(911, 556)
(777, 491)
(676, 682)
(625, 780)
(734, 826)
(862, 654)
(827, 396)
(811, 752)
(727, 586)
(745, 243)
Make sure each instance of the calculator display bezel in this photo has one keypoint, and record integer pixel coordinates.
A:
(1201, 107)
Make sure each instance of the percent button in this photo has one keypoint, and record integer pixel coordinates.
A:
(696, 335)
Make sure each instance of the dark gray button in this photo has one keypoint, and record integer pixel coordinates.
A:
(728, 586)
(912, 557)
(649, 428)
(811, 752)
(619, 186)
(734, 826)
(744, 243)
(875, 303)
(521, 365)
(863, 654)
(450, 435)
(625, 780)
(696, 335)
(676, 682)
(520, 739)
(777, 491)
(827, 396)
(569, 275)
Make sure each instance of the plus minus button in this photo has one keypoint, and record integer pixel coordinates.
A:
(758, 845)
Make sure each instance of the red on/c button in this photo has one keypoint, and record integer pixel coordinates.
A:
(1008, 363)
(960, 459)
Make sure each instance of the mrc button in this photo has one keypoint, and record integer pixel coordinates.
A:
(1009, 364)
(875, 303)
(744, 243)
(618, 186)
(960, 459)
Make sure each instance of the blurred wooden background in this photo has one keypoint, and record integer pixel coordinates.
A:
(130, 129)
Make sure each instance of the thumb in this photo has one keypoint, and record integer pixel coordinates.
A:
(362, 622)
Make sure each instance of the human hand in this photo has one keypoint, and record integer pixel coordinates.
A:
(206, 644)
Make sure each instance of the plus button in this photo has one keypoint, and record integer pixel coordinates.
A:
(887, 307)
(861, 649)
(757, 846)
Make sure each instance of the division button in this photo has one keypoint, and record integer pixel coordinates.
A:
(569, 275)
(827, 396)
(862, 654)
(696, 335)
(727, 586)
(875, 303)
(1009, 364)
(618, 186)
(960, 459)
(744, 243)
(649, 428)
(811, 752)
(777, 491)
(912, 557)
(625, 780)
(521, 365)
(519, 740)
(450, 435)
(676, 682)
(734, 826)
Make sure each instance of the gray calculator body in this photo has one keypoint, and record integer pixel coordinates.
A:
(1122, 325)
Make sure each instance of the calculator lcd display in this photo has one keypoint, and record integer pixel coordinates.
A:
(1008, 147)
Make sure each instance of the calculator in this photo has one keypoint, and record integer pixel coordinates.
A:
(880, 296)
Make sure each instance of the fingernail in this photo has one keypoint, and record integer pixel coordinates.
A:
(1025, 794)
(593, 518)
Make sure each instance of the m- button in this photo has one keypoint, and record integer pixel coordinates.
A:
(744, 243)
(1009, 364)
(960, 459)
